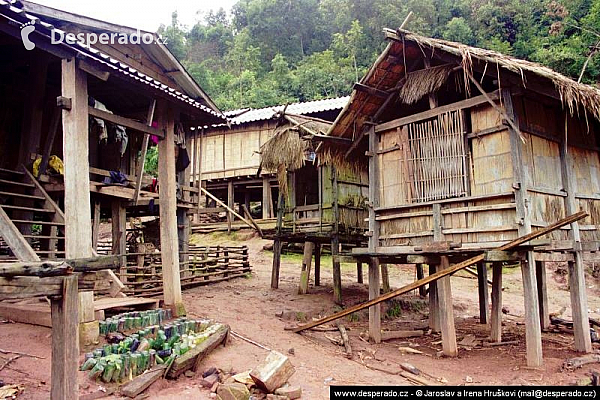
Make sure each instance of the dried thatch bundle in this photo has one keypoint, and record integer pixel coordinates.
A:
(423, 82)
(284, 152)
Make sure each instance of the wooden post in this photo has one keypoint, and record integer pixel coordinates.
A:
(483, 292)
(119, 234)
(266, 193)
(139, 174)
(183, 234)
(317, 264)
(385, 278)
(496, 316)
(65, 342)
(540, 274)
(359, 272)
(78, 230)
(230, 204)
(444, 290)
(533, 334)
(306, 265)
(421, 275)
(276, 263)
(434, 310)
(337, 273)
(96, 225)
(581, 327)
(374, 311)
(168, 212)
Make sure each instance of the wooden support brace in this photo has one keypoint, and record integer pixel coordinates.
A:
(496, 315)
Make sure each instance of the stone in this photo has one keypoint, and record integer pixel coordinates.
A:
(273, 372)
(277, 397)
(209, 381)
(209, 372)
(89, 333)
(233, 391)
(291, 351)
(292, 392)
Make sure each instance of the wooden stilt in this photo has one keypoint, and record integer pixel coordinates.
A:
(533, 336)
(374, 311)
(385, 278)
(96, 225)
(266, 192)
(337, 273)
(496, 315)
(434, 311)
(540, 275)
(483, 292)
(168, 212)
(78, 230)
(444, 290)
(65, 342)
(183, 234)
(230, 204)
(317, 264)
(581, 327)
(119, 234)
(421, 275)
(276, 263)
(359, 272)
(306, 265)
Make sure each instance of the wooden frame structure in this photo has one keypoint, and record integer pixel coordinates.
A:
(463, 157)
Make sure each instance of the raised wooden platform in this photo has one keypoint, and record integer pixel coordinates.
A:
(139, 303)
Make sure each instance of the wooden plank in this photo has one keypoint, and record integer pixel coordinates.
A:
(107, 303)
(533, 331)
(483, 292)
(143, 382)
(444, 292)
(276, 263)
(442, 273)
(374, 310)
(447, 201)
(389, 335)
(169, 241)
(496, 315)
(373, 190)
(78, 230)
(86, 306)
(119, 235)
(96, 225)
(65, 341)
(126, 122)
(540, 275)
(266, 193)
(140, 170)
(306, 266)
(420, 275)
(468, 103)
(13, 238)
(194, 356)
(33, 314)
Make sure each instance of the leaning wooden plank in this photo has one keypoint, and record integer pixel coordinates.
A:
(345, 339)
(143, 382)
(578, 362)
(445, 272)
(140, 169)
(43, 268)
(193, 356)
(209, 194)
(273, 373)
(13, 238)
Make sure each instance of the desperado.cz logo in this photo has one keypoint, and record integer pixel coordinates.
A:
(89, 39)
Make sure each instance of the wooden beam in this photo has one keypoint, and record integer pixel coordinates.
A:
(540, 275)
(459, 105)
(359, 272)
(443, 273)
(229, 209)
(78, 230)
(65, 341)
(533, 331)
(483, 292)
(168, 212)
(496, 315)
(444, 292)
(40, 269)
(126, 122)
(266, 192)
(306, 266)
(374, 310)
(15, 240)
(140, 170)
(370, 90)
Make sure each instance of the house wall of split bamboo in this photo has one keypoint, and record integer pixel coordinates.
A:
(468, 149)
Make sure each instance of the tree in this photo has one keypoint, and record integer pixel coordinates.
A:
(175, 37)
(458, 30)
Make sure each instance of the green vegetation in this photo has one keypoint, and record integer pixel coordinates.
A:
(266, 52)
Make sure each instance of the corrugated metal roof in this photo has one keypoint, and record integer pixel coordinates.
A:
(242, 116)
(13, 13)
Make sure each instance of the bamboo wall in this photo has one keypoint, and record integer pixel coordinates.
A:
(227, 153)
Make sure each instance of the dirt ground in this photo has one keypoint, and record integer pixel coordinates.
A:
(257, 312)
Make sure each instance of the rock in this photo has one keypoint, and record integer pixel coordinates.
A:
(505, 310)
(214, 387)
(279, 314)
(268, 246)
(291, 351)
(273, 372)
(292, 392)
(237, 292)
(276, 397)
(468, 379)
(209, 372)
(189, 374)
(233, 391)
(212, 395)
(209, 381)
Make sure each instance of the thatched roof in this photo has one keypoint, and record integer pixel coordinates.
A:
(388, 74)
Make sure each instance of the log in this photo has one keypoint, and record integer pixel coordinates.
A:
(143, 382)
(578, 362)
(192, 358)
(418, 379)
(345, 339)
(41, 269)
(273, 373)
(445, 272)
(389, 335)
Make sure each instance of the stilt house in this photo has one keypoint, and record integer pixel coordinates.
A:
(466, 150)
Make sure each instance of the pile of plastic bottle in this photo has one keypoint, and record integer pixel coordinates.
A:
(157, 344)
(134, 320)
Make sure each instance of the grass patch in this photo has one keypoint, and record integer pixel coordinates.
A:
(394, 310)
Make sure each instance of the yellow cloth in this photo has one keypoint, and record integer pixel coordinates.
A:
(53, 162)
